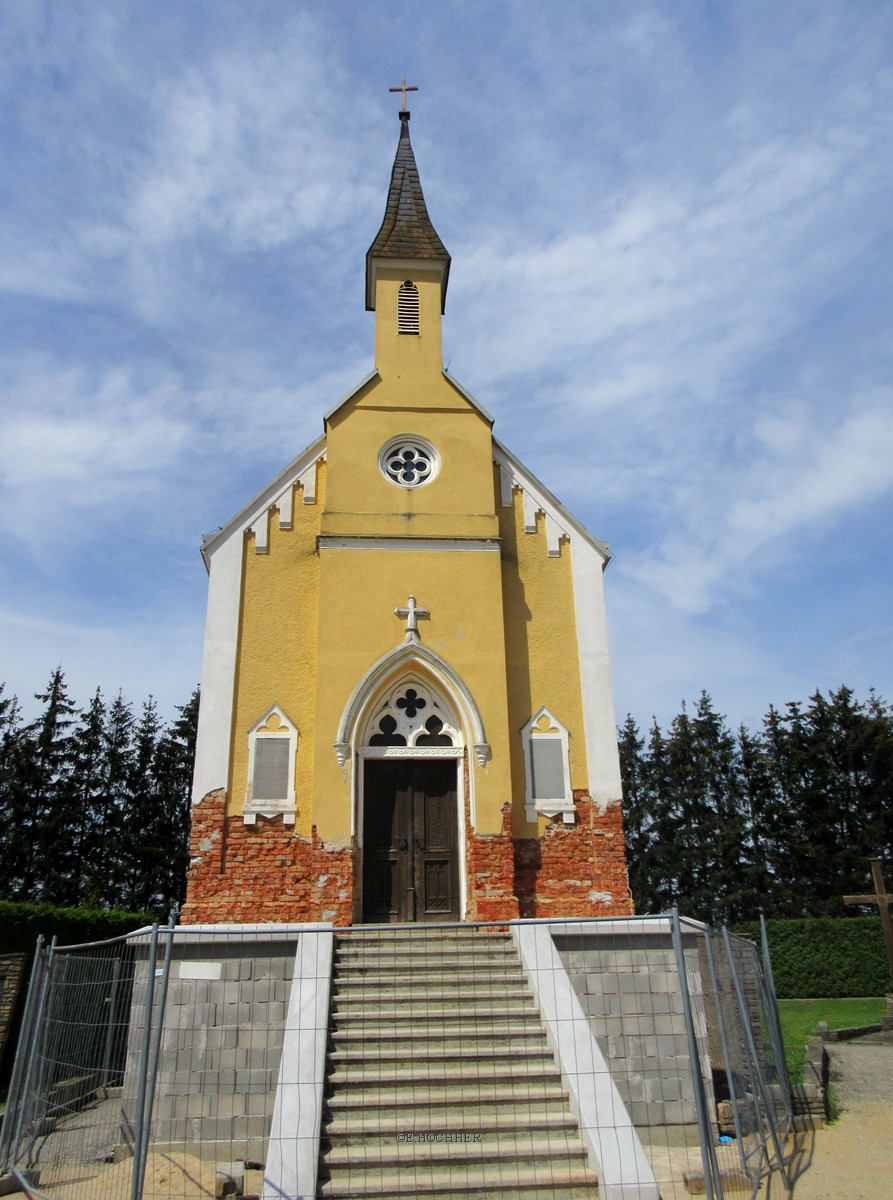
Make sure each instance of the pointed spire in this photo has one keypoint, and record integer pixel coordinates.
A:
(406, 231)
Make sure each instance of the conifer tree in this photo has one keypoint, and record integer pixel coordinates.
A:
(637, 811)
(143, 844)
(104, 885)
(53, 864)
(89, 782)
(174, 765)
(16, 812)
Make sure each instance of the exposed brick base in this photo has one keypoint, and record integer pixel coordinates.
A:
(575, 870)
(265, 872)
(262, 872)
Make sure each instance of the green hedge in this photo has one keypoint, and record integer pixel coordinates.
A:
(21, 923)
(825, 956)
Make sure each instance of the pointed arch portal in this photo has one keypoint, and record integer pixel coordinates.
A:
(409, 723)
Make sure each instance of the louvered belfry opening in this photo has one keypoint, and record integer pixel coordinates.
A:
(408, 308)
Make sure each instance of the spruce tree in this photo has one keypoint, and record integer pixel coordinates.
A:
(16, 810)
(636, 808)
(52, 867)
(89, 738)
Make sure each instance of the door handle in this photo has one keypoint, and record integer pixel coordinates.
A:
(419, 844)
(402, 844)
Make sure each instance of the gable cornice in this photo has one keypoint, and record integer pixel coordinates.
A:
(273, 494)
(537, 497)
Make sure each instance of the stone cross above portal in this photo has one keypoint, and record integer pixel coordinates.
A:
(412, 613)
(404, 89)
(881, 901)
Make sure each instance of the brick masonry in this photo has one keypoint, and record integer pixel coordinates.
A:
(266, 872)
(263, 872)
(575, 870)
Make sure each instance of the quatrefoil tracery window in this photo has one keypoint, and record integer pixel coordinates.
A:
(411, 715)
(408, 462)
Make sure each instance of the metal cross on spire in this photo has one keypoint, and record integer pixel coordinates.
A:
(412, 613)
(404, 89)
(881, 901)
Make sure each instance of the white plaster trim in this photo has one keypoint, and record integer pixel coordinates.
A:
(285, 505)
(554, 533)
(406, 654)
(373, 374)
(246, 517)
(506, 484)
(550, 806)
(413, 752)
(530, 511)
(307, 481)
(615, 1152)
(215, 714)
(599, 726)
(328, 541)
(261, 531)
(293, 1153)
(463, 391)
(542, 499)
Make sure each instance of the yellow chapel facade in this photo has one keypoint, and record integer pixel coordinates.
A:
(406, 709)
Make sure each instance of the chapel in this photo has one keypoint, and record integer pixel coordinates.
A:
(406, 710)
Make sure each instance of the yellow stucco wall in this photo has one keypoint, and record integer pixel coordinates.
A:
(316, 615)
(542, 661)
(359, 590)
(276, 659)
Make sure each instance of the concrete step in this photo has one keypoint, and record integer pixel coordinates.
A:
(447, 1146)
(396, 1101)
(439, 1049)
(422, 994)
(412, 1074)
(473, 950)
(474, 1181)
(440, 1081)
(404, 1035)
(442, 1002)
(402, 1042)
(424, 974)
(460, 931)
(344, 1126)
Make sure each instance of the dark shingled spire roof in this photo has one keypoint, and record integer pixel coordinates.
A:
(406, 231)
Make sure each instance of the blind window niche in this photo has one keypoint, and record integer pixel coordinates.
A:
(272, 745)
(408, 308)
(270, 779)
(548, 785)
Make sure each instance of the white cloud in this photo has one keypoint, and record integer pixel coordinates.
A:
(797, 485)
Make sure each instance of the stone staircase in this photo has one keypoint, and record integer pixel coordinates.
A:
(440, 1081)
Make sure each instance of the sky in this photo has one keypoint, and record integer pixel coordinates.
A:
(671, 227)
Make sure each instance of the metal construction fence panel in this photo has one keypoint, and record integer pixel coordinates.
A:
(626, 1058)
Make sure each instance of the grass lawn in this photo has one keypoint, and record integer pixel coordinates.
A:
(800, 1017)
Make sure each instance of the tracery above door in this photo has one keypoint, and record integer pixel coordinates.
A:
(411, 716)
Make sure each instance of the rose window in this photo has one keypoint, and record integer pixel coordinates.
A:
(408, 463)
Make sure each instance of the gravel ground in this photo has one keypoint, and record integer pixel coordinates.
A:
(853, 1158)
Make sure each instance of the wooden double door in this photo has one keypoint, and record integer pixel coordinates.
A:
(410, 840)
